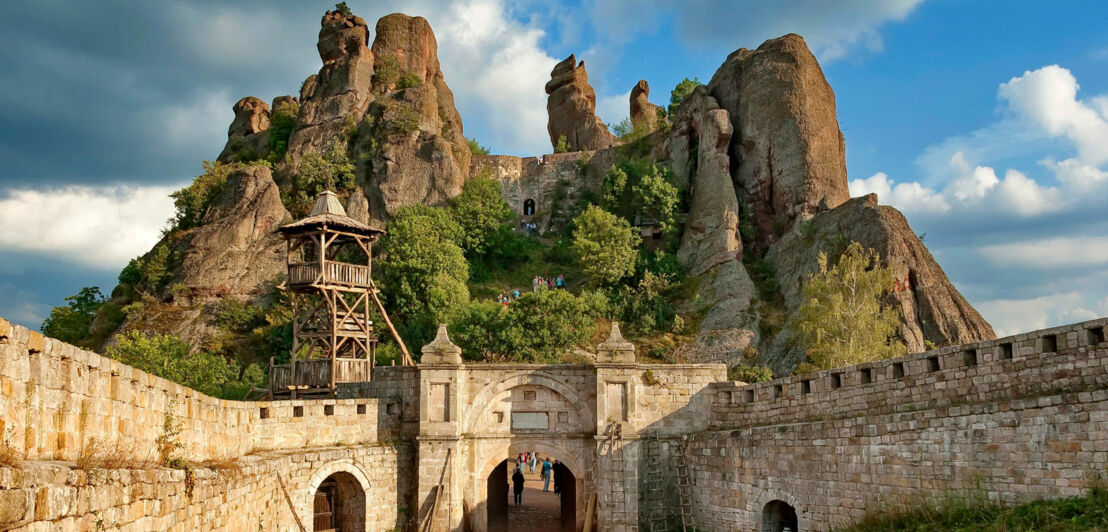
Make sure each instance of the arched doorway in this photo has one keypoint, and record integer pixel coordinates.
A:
(528, 207)
(779, 516)
(339, 504)
(538, 510)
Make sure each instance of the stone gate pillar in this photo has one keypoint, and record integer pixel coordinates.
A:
(617, 447)
(439, 477)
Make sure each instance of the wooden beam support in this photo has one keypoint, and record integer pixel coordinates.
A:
(395, 336)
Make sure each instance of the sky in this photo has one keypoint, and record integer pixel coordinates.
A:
(985, 122)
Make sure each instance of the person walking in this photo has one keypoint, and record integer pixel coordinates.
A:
(534, 461)
(517, 485)
(547, 467)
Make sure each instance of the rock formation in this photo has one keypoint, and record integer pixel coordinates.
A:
(788, 153)
(416, 148)
(341, 89)
(571, 109)
(248, 130)
(236, 249)
(702, 130)
(932, 308)
(644, 115)
(757, 151)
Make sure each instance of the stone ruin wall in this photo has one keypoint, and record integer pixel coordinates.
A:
(56, 398)
(1022, 417)
(544, 179)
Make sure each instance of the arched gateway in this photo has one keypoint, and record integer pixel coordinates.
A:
(476, 418)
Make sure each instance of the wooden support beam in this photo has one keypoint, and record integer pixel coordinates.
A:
(395, 336)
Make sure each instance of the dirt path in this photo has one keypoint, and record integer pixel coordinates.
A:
(540, 511)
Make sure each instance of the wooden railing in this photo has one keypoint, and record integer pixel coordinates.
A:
(315, 374)
(330, 273)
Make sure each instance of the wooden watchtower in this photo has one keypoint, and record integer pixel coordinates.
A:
(330, 285)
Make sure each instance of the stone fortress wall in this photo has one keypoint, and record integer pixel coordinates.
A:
(552, 181)
(1022, 417)
(1019, 417)
(57, 400)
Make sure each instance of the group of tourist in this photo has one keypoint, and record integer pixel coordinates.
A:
(549, 471)
(540, 282)
(529, 228)
(507, 297)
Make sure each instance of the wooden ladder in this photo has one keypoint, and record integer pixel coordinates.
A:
(684, 484)
(655, 498)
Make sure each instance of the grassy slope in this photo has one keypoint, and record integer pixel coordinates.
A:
(1086, 513)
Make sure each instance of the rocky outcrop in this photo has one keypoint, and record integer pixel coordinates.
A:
(341, 89)
(236, 249)
(788, 153)
(644, 115)
(932, 308)
(247, 134)
(415, 147)
(702, 131)
(571, 109)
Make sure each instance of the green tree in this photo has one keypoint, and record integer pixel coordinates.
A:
(475, 148)
(71, 323)
(639, 187)
(604, 245)
(330, 169)
(843, 319)
(562, 146)
(168, 357)
(680, 92)
(193, 201)
(423, 271)
(281, 122)
(341, 7)
(538, 327)
(480, 210)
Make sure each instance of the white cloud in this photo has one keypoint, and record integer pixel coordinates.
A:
(1047, 97)
(1014, 316)
(1050, 253)
(909, 197)
(497, 69)
(102, 227)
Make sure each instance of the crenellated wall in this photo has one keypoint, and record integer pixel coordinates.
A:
(1020, 417)
(56, 398)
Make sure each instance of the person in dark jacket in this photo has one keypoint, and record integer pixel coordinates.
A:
(559, 472)
(517, 485)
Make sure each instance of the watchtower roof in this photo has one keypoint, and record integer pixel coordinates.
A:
(328, 212)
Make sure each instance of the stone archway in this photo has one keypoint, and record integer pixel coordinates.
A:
(776, 510)
(336, 498)
(567, 488)
(779, 516)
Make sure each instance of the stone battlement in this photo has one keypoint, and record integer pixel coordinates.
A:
(56, 398)
(1066, 359)
(1023, 417)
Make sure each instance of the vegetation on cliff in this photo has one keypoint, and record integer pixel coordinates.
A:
(844, 319)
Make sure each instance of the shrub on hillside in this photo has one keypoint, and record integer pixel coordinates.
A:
(604, 245)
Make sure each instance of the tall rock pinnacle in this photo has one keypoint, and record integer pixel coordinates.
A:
(571, 109)
(788, 151)
(342, 87)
